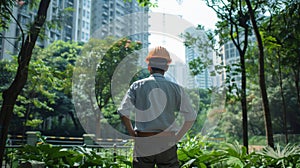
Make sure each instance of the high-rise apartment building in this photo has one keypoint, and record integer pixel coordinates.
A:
(56, 12)
(82, 20)
(74, 24)
(202, 80)
(120, 19)
(8, 39)
(231, 57)
(106, 17)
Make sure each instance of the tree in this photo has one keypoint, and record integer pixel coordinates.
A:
(233, 27)
(61, 57)
(35, 94)
(237, 14)
(47, 93)
(281, 41)
(93, 77)
(10, 95)
(262, 81)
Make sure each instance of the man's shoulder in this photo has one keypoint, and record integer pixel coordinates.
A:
(151, 81)
(142, 80)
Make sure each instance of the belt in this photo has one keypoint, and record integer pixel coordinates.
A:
(147, 134)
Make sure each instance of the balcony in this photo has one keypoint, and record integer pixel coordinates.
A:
(104, 14)
(105, 6)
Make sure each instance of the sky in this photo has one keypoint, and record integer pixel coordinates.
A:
(193, 11)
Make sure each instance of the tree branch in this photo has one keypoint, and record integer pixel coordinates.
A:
(19, 25)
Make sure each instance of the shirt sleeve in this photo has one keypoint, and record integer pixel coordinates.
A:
(186, 107)
(127, 104)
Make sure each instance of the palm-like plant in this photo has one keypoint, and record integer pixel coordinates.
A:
(197, 151)
(288, 156)
(235, 155)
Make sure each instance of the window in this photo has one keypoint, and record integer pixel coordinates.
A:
(52, 35)
(88, 14)
(237, 53)
(88, 3)
(83, 24)
(232, 53)
(23, 20)
(226, 45)
(227, 54)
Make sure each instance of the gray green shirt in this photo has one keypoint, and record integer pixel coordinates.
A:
(154, 102)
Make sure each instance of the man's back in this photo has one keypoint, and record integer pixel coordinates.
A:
(156, 100)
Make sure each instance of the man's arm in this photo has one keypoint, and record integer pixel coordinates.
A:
(125, 108)
(128, 125)
(189, 114)
(186, 126)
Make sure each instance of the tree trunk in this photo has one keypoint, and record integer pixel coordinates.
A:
(74, 119)
(242, 51)
(10, 95)
(283, 101)
(244, 102)
(297, 76)
(262, 84)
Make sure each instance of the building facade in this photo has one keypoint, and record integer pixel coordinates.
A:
(204, 79)
(82, 20)
(72, 19)
(231, 58)
(120, 19)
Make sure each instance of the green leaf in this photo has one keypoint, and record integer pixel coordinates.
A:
(188, 163)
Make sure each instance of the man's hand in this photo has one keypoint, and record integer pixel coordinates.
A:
(128, 125)
(186, 126)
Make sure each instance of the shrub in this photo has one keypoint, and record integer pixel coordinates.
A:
(198, 152)
(57, 156)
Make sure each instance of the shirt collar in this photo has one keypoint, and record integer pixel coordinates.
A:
(157, 75)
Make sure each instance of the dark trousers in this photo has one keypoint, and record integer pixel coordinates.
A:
(165, 159)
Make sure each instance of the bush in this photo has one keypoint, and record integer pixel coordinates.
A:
(194, 151)
(57, 156)
(198, 152)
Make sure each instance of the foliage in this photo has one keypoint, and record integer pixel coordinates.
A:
(192, 152)
(283, 64)
(5, 16)
(5, 76)
(48, 90)
(61, 57)
(57, 156)
(144, 3)
(288, 156)
(278, 22)
(11, 94)
(201, 152)
(205, 100)
(7, 6)
(203, 43)
(94, 73)
(197, 151)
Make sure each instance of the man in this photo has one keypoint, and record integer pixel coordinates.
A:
(155, 102)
